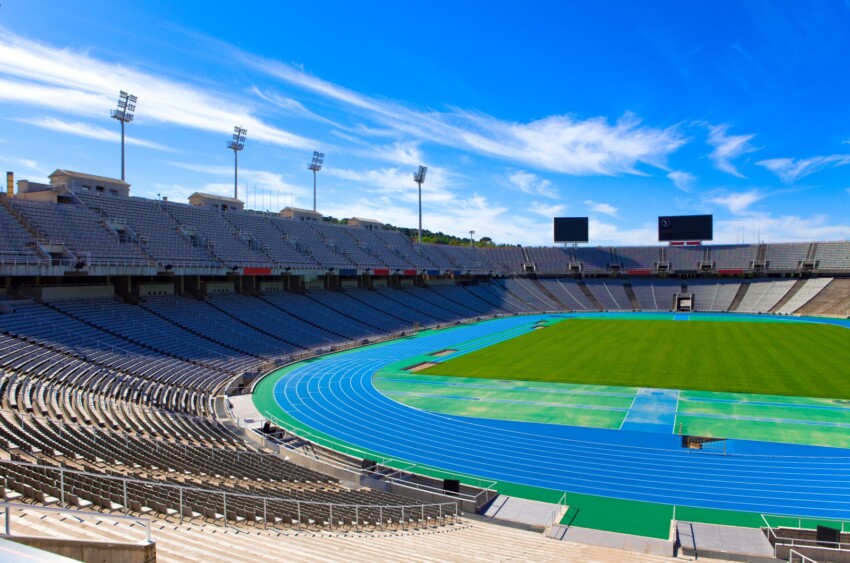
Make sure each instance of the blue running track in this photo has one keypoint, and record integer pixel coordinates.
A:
(335, 395)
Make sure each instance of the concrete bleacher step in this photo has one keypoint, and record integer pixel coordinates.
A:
(728, 543)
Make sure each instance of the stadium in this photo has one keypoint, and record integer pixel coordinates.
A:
(574, 284)
(212, 369)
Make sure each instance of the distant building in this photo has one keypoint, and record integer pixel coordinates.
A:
(301, 214)
(368, 224)
(220, 202)
(63, 182)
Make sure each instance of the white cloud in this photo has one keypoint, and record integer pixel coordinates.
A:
(90, 132)
(558, 143)
(290, 105)
(604, 208)
(737, 203)
(75, 83)
(602, 233)
(407, 153)
(790, 170)
(682, 180)
(27, 164)
(254, 185)
(547, 210)
(532, 185)
(784, 228)
(727, 148)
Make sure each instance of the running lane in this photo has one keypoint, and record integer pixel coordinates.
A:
(335, 395)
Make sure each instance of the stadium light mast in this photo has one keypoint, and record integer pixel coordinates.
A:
(419, 178)
(471, 233)
(237, 144)
(124, 114)
(316, 166)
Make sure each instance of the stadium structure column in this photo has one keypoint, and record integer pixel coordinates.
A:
(236, 144)
(124, 114)
(419, 178)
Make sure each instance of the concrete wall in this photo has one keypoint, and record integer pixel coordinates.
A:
(271, 286)
(145, 289)
(53, 294)
(91, 551)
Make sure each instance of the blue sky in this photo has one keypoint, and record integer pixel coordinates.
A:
(620, 111)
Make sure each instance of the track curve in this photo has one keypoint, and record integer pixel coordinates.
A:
(335, 395)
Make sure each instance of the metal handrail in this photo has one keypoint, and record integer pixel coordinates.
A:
(409, 467)
(556, 511)
(803, 558)
(7, 507)
(445, 508)
(801, 542)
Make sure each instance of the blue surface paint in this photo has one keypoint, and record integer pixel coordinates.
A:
(335, 395)
(653, 410)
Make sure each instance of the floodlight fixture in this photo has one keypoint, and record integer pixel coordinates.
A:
(124, 114)
(471, 233)
(419, 178)
(316, 166)
(236, 144)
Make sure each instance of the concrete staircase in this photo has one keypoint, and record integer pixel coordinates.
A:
(468, 541)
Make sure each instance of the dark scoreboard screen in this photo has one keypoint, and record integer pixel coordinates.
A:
(685, 227)
(571, 229)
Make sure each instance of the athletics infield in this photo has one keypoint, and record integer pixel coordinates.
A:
(615, 449)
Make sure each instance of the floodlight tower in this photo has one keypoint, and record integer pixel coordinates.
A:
(316, 166)
(236, 144)
(470, 238)
(419, 178)
(124, 114)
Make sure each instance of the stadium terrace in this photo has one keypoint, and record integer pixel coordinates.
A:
(221, 369)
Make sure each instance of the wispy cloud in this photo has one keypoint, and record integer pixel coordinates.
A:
(532, 185)
(290, 105)
(90, 131)
(790, 170)
(27, 165)
(606, 233)
(547, 210)
(256, 180)
(781, 228)
(407, 153)
(682, 180)
(728, 148)
(75, 83)
(737, 203)
(604, 208)
(558, 143)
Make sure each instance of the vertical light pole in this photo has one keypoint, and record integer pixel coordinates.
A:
(124, 114)
(419, 178)
(236, 144)
(315, 166)
(470, 238)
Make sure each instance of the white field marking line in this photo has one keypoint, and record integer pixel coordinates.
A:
(637, 390)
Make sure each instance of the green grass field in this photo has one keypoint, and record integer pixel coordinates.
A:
(772, 358)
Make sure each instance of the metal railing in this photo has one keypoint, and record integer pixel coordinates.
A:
(557, 511)
(795, 556)
(408, 512)
(7, 507)
(399, 467)
(781, 541)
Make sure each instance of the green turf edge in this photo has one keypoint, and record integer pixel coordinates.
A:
(587, 511)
